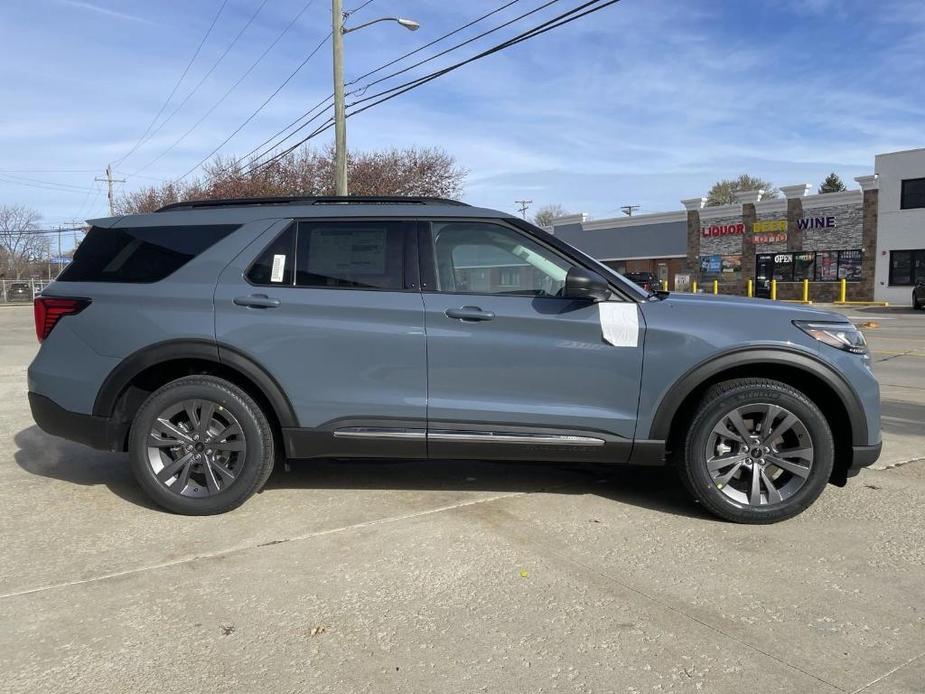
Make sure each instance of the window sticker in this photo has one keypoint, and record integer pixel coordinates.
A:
(279, 267)
(619, 323)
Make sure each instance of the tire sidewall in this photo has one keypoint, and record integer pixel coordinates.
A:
(258, 445)
(819, 433)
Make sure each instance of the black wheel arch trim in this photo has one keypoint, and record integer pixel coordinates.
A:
(781, 356)
(205, 350)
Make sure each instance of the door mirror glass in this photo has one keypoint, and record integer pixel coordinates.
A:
(585, 284)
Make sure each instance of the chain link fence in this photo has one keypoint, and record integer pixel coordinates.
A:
(20, 291)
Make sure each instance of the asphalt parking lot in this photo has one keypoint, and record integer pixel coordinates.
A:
(459, 576)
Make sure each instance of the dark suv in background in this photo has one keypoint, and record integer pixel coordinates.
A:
(209, 339)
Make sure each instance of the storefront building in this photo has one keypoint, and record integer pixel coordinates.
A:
(872, 237)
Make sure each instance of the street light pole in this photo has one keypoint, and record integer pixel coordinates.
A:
(340, 120)
(340, 117)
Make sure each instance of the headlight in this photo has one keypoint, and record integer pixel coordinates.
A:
(844, 336)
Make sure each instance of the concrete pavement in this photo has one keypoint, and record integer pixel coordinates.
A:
(459, 576)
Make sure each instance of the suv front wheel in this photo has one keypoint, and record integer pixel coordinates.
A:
(757, 451)
(200, 445)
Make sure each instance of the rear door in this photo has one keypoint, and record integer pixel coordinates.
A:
(332, 310)
(515, 371)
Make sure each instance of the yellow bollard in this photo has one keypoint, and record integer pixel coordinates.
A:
(665, 285)
(750, 289)
(805, 291)
(773, 290)
(694, 287)
(843, 291)
(716, 286)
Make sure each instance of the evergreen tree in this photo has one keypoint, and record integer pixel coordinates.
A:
(832, 184)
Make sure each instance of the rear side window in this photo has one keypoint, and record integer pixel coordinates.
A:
(358, 255)
(139, 254)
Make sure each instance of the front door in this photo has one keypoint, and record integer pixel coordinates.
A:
(330, 310)
(515, 371)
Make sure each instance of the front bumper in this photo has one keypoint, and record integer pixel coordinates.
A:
(97, 432)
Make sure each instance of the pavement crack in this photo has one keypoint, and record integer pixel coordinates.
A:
(244, 548)
(887, 674)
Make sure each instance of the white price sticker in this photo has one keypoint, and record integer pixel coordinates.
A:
(619, 323)
(279, 267)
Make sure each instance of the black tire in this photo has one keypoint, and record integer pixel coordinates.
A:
(722, 401)
(251, 462)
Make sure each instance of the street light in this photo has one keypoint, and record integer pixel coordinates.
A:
(340, 119)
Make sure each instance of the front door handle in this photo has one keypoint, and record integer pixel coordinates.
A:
(469, 313)
(256, 301)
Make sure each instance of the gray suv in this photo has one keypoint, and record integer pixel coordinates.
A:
(209, 339)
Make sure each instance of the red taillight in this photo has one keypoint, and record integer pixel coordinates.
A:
(50, 309)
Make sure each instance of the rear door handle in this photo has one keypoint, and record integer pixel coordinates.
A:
(469, 313)
(256, 301)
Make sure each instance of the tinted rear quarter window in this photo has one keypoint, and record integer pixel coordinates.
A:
(139, 254)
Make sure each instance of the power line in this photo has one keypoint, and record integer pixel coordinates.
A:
(435, 41)
(42, 185)
(555, 22)
(202, 80)
(524, 206)
(258, 109)
(230, 89)
(388, 94)
(177, 85)
(453, 48)
(363, 76)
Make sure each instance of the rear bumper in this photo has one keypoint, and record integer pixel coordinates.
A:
(863, 456)
(96, 432)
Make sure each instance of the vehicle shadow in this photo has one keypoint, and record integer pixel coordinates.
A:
(656, 489)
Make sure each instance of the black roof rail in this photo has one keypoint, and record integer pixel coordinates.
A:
(311, 200)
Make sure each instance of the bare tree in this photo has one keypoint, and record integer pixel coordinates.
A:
(411, 171)
(20, 245)
(723, 192)
(545, 215)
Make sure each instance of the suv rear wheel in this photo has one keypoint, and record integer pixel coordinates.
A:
(200, 445)
(757, 451)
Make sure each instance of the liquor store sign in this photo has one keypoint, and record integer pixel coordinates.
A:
(768, 231)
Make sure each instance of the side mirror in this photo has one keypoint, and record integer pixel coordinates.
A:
(585, 284)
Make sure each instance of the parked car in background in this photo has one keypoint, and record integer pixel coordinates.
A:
(918, 296)
(646, 280)
(19, 291)
(210, 339)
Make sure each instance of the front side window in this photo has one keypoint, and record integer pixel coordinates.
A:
(913, 194)
(355, 255)
(485, 258)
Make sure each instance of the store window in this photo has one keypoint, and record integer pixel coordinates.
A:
(819, 266)
(804, 266)
(725, 268)
(783, 267)
(827, 266)
(849, 265)
(907, 267)
(913, 194)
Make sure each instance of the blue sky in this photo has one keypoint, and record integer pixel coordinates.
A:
(646, 102)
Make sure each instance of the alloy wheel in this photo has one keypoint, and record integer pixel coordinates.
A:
(196, 448)
(759, 454)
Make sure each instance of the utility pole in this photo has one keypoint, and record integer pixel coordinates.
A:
(629, 209)
(524, 206)
(109, 181)
(340, 119)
